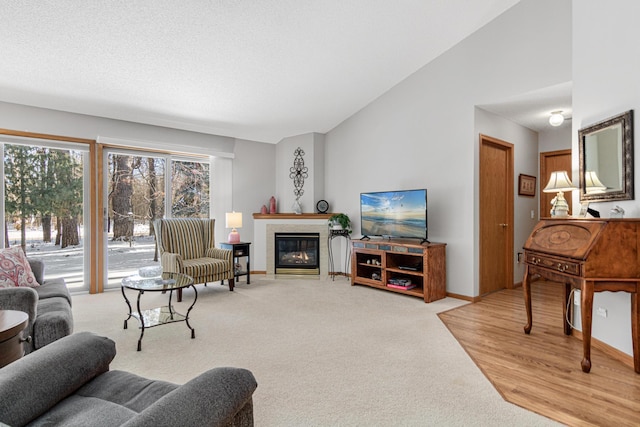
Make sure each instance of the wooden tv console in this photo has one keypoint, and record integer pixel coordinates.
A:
(380, 263)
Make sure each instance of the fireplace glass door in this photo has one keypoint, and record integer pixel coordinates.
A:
(297, 253)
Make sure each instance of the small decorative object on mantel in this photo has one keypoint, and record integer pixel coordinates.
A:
(322, 206)
(298, 173)
(272, 205)
(297, 209)
(264, 210)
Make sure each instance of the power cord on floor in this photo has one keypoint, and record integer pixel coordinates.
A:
(569, 302)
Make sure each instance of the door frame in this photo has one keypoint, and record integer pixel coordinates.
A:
(544, 175)
(508, 249)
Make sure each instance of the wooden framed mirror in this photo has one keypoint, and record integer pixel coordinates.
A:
(606, 159)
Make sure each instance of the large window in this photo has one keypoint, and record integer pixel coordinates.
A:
(44, 202)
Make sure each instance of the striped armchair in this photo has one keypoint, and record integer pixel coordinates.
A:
(187, 246)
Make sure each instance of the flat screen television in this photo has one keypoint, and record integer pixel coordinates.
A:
(401, 214)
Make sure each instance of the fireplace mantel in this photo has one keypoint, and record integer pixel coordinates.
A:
(292, 215)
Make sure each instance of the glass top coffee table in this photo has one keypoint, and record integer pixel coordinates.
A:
(149, 318)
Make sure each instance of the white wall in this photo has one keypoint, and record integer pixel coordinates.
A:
(555, 139)
(252, 174)
(606, 60)
(254, 178)
(422, 132)
(313, 146)
(41, 120)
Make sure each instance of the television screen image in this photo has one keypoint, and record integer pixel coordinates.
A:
(394, 214)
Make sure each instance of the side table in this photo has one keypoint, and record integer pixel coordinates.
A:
(12, 323)
(334, 233)
(239, 250)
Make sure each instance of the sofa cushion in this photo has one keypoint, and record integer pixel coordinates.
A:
(54, 288)
(15, 269)
(203, 267)
(84, 411)
(54, 321)
(126, 389)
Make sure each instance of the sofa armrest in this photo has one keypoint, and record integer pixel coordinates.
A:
(171, 262)
(225, 254)
(21, 299)
(211, 399)
(34, 384)
(37, 267)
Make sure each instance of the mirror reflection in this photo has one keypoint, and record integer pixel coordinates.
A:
(606, 160)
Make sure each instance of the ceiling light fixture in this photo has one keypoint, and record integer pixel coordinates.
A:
(556, 118)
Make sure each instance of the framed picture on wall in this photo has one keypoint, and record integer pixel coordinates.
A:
(526, 185)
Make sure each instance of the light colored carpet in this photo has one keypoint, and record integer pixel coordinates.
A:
(324, 353)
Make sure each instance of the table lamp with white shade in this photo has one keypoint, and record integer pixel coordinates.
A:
(559, 182)
(233, 220)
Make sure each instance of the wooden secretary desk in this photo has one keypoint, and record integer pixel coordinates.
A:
(593, 255)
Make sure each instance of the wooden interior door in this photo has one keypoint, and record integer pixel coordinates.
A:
(496, 214)
(551, 161)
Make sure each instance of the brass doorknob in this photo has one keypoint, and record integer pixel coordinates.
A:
(503, 225)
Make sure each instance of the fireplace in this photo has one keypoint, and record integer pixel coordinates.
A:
(297, 253)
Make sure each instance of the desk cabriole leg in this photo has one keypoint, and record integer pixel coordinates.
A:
(586, 308)
(526, 290)
(635, 328)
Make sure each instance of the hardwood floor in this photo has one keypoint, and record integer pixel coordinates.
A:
(541, 372)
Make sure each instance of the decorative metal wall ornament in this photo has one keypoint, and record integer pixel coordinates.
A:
(298, 173)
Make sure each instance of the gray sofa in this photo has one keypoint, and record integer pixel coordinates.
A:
(48, 307)
(69, 383)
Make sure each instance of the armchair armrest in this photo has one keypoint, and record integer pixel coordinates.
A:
(211, 399)
(225, 254)
(171, 262)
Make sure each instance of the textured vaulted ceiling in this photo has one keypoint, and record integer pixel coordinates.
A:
(254, 69)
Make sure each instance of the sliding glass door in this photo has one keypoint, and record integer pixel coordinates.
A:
(141, 187)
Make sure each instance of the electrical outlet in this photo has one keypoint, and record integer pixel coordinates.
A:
(533, 214)
(519, 257)
(602, 312)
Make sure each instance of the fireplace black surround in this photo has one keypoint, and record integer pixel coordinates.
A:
(297, 253)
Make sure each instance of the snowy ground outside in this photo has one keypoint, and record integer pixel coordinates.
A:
(123, 259)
